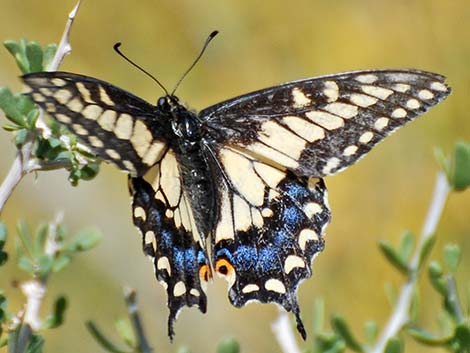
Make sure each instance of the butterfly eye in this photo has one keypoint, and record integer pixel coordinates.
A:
(205, 273)
(163, 104)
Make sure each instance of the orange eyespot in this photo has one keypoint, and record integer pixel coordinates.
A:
(205, 273)
(224, 267)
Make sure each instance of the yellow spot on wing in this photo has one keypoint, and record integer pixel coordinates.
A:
(326, 120)
(300, 99)
(141, 138)
(107, 120)
(281, 139)
(105, 97)
(304, 129)
(275, 285)
(123, 128)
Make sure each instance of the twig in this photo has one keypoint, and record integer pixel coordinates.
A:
(282, 329)
(20, 166)
(142, 342)
(400, 314)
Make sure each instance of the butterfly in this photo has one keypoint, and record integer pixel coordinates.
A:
(236, 189)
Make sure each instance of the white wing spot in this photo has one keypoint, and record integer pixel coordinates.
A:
(194, 292)
(224, 229)
(258, 220)
(95, 142)
(275, 156)
(300, 99)
(326, 120)
(305, 236)
(379, 92)
(62, 96)
(179, 289)
(92, 112)
(366, 78)
(86, 95)
(350, 150)
(124, 124)
(270, 175)
(343, 110)
(63, 118)
(58, 82)
(425, 94)
(413, 104)
(164, 264)
(113, 154)
(401, 87)
(75, 105)
(381, 123)
(291, 262)
(281, 139)
(399, 113)
(45, 91)
(241, 214)
(304, 129)
(438, 86)
(331, 164)
(170, 179)
(38, 97)
(363, 100)
(311, 209)
(105, 97)
(154, 153)
(249, 288)
(366, 137)
(331, 91)
(169, 213)
(141, 138)
(139, 212)
(79, 129)
(267, 212)
(275, 285)
(129, 166)
(51, 107)
(107, 120)
(149, 237)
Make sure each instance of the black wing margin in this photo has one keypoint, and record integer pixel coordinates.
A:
(319, 126)
(119, 127)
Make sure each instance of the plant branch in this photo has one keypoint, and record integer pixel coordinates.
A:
(20, 166)
(132, 309)
(400, 314)
(282, 329)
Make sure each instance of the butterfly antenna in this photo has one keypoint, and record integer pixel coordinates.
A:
(208, 40)
(117, 50)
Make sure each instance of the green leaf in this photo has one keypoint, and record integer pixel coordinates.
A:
(3, 235)
(8, 104)
(103, 340)
(25, 264)
(371, 330)
(340, 326)
(60, 263)
(407, 242)
(41, 238)
(57, 317)
(34, 55)
(437, 279)
(84, 240)
(21, 136)
(44, 263)
(12, 46)
(394, 345)
(452, 254)
(25, 238)
(31, 118)
(126, 332)
(24, 104)
(35, 344)
(393, 257)
(462, 336)
(427, 338)
(49, 53)
(426, 250)
(228, 345)
(443, 162)
(461, 166)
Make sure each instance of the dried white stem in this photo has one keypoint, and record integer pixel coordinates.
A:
(22, 164)
(400, 314)
(282, 329)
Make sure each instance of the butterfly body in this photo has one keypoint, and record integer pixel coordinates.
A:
(237, 190)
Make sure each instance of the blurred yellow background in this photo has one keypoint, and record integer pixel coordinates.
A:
(260, 44)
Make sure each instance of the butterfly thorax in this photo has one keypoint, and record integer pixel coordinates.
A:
(188, 145)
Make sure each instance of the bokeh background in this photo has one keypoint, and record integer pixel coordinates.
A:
(260, 44)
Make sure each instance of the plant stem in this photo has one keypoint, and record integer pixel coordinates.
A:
(132, 309)
(400, 314)
(282, 329)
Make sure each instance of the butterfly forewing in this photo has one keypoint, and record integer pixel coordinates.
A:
(319, 126)
(120, 127)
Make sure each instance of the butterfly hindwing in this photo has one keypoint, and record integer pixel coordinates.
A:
(120, 127)
(319, 126)
(269, 228)
(170, 238)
